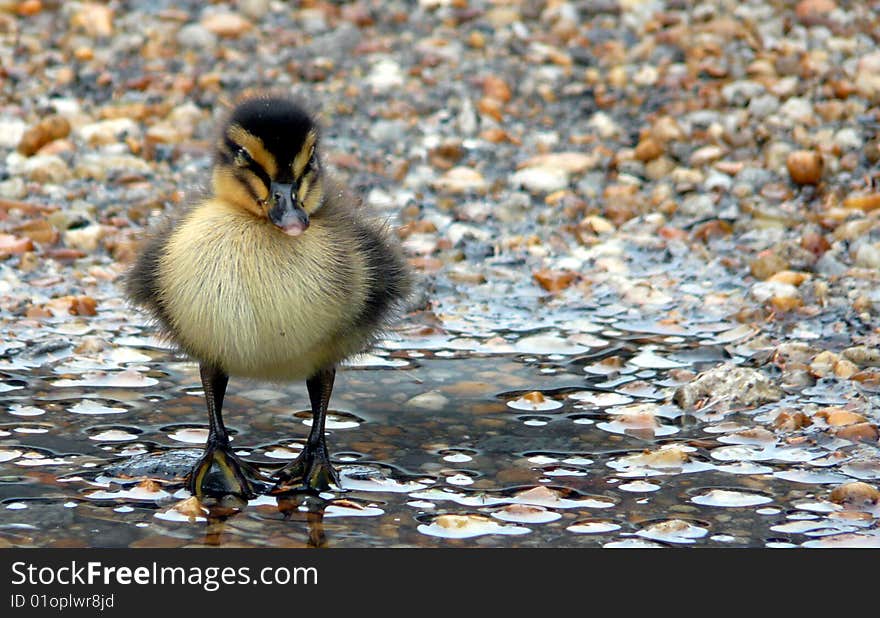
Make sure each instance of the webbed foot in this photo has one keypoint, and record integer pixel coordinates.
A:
(311, 470)
(220, 475)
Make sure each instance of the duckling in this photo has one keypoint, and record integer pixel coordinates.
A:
(277, 275)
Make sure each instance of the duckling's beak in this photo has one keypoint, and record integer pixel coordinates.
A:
(285, 212)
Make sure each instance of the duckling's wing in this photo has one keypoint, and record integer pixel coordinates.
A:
(389, 279)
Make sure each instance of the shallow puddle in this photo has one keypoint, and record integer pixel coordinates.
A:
(533, 448)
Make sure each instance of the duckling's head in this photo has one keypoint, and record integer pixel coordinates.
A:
(266, 162)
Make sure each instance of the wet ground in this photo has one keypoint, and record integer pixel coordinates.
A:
(568, 436)
(647, 241)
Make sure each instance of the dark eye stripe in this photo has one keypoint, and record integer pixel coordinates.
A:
(233, 150)
(260, 173)
(242, 179)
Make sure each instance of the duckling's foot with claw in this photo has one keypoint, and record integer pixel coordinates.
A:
(221, 477)
(310, 471)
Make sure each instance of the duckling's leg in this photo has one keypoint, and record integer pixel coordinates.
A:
(219, 472)
(312, 468)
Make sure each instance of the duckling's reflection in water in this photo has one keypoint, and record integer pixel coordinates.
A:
(289, 505)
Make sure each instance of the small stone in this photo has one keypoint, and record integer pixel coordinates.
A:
(11, 132)
(103, 166)
(868, 256)
(798, 110)
(790, 277)
(491, 107)
(385, 75)
(845, 369)
(28, 8)
(867, 80)
(84, 238)
(226, 25)
(766, 264)
(540, 179)
(785, 303)
(571, 162)
(599, 225)
(554, 280)
(816, 244)
(848, 138)
(96, 20)
(741, 92)
(791, 421)
(863, 356)
(496, 88)
(838, 417)
(191, 507)
(446, 154)
(859, 432)
(13, 189)
(805, 167)
(535, 397)
(706, 155)
(42, 168)
(855, 495)
(648, 149)
(196, 36)
(432, 400)
(604, 125)
(12, 245)
(867, 202)
(109, 131)
(47, 130)
(39, 231)
(659, 168)
(811, 12)
(461, 180)
(824, 363)
(729, 385)
(255, 9)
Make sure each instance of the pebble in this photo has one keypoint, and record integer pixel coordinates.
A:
(868, 256)
(848, 138)
(40, 168)
(84, 238)
(428, 401)
(385, 75)
(604, 125)
(255, 9)
(805, 167)
(108, 131)
(226, 25)
(461, 180)
(95, 20)
(541, 179)
(863, 356)
(706, 155)
(867, 79)
(798, 110)
(51, 128)
(14, 188)
(730, 385)
(739, 93)
(103, 166)
(570, 162)
(855, 495)
(11, 132)
(196, 36)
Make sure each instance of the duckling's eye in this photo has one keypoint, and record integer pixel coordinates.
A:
(242, 158)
